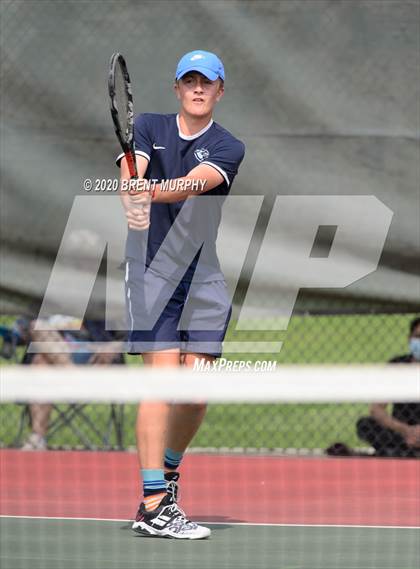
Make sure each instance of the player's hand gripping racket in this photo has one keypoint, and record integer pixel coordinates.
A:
(119, 87)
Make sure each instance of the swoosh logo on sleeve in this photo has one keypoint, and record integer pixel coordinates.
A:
(156, 147)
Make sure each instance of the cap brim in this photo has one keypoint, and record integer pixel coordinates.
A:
(203, 70)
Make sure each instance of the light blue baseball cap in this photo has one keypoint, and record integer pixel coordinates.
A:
(202, 61)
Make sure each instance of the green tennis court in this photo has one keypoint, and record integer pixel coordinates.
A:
(89, 544)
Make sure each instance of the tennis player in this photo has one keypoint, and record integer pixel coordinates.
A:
(178, 308)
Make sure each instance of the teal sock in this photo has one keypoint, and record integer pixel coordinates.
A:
(153, 481)
(172, 459)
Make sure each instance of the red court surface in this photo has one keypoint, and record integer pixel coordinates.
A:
(217, 488)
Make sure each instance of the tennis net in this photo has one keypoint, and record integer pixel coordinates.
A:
(278, 470)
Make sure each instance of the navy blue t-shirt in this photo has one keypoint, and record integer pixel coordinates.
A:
(171, 155)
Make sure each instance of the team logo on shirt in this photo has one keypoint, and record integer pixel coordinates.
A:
(201, 154)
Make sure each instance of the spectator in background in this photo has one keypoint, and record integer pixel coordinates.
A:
(72, 336)
(396, 434)
(13, 337)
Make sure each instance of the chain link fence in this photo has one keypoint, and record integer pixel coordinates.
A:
(324, 95)
(290, 429)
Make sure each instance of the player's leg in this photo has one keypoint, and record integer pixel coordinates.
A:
(184, 421)
(151, 430)
(165, 340)
(158, 514)
(208, 303)
(160, 348)
(153, 417)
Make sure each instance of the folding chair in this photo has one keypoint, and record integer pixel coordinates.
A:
(72, 415)
(67, 416)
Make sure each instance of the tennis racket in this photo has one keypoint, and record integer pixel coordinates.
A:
(122, 111)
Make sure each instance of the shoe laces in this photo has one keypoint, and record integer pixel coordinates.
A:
(172, 490)
(172, 487)
(181, 519)
(175, 509)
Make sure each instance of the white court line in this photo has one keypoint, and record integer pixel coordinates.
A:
(217, 523)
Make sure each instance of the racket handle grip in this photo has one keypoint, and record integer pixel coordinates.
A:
(132, 167)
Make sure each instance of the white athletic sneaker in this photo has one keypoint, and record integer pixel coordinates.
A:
(35, 442)
(168, 520)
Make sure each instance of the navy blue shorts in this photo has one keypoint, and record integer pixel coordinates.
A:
(191, 317)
